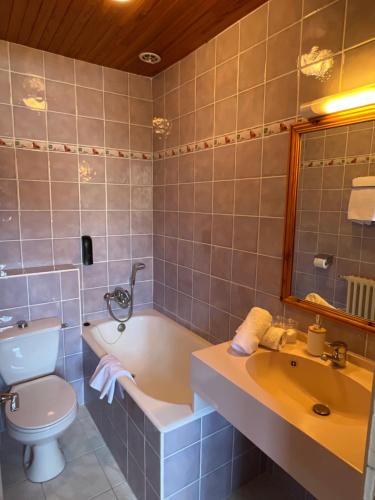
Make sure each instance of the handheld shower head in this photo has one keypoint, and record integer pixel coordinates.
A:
(138, 266)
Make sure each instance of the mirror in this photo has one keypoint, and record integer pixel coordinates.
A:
(329, 250)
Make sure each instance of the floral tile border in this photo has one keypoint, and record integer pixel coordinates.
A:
(223, 140)
(37, 145)
(342, 160)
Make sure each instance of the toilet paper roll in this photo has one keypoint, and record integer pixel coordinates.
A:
(321, 263)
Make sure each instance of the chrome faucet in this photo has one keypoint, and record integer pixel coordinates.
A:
(339, 353)
(124, 298)
(13, 398)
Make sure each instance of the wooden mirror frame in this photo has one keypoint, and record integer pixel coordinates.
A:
(362, 114)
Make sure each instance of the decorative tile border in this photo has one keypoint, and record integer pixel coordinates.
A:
(342, 160)
(37, 145)
(224, 140)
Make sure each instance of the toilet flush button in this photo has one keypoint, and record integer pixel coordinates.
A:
(22, 324)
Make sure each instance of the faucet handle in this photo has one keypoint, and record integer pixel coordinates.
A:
(339, 346)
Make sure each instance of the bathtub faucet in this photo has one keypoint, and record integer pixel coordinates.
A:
(120, 296)
(124, 298)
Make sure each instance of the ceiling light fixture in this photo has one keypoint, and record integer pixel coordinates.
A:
(344, 101)
(149, 57)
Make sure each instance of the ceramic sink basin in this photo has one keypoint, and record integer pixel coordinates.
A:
(300, 383)
(269, 397)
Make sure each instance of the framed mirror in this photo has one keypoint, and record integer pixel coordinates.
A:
(329, 245)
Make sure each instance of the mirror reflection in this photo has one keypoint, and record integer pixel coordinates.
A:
(334, 251)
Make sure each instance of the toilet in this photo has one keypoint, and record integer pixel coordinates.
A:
(48, 404)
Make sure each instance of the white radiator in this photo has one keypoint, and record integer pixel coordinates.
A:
(360, 297)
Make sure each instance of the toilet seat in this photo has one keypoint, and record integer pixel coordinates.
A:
(48, 406)
(44, 403)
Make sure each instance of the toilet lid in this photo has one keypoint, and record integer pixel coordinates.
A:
(43, 402)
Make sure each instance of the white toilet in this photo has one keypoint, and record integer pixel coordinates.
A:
(47, 403)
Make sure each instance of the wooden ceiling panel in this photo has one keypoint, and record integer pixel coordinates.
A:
(114, 33)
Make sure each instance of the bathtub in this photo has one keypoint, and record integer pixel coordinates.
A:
(157, 351)
(162, 436)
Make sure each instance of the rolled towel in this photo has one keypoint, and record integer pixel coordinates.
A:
(249, 333)
(317, 299)
(274, 338)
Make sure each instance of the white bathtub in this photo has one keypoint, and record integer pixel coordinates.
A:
(157, 350)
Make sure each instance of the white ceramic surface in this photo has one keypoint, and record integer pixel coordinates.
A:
(157, 351)
(271, 402)
(30, 352)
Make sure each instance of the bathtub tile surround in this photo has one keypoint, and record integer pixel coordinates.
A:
(206, 453)
(220, 177)
(75, 158)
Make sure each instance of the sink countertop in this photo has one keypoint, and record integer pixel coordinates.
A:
(216, 371)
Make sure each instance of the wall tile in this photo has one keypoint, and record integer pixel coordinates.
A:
(227, 44)
(60, 97)
(282, 13)
(253, 27)
(59, 67)
(25, 59)
(89, 102)
(88, 75)
(324, 28)
(181, 469)
(282, 51)
(252, 67)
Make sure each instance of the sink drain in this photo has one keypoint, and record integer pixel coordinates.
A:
(321, 410)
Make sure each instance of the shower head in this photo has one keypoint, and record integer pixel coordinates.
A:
(138, 266)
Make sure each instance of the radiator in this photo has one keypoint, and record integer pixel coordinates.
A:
(360, 297)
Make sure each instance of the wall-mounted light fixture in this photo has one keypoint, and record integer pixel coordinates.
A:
(343, 101)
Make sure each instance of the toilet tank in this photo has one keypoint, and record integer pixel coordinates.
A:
(30, 352)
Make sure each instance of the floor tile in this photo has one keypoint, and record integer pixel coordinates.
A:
(108, 495)
(83, 413)
(123, 492)
(24, 490)
(82, 479)
(110, 467)
(11, 461)
(93, 436)
(74, 442)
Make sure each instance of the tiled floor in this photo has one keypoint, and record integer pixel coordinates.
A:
(92, 473)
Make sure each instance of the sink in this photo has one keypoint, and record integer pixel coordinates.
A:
(269, 397)
(300, 383)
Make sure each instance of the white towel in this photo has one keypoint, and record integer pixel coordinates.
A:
(250, 332)
(274, 338)
(361, 207)
(106, 374)
(317, 299)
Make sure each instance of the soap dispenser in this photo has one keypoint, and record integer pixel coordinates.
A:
(316, 336)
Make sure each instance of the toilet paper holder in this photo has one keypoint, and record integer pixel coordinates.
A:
(323, 260)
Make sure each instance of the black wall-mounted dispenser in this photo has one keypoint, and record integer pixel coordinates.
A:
(87, 255)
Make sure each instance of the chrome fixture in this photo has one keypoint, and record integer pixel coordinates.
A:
(124, 298)
(339, 353)
(13, 398)
(22, 323)
(322, 410)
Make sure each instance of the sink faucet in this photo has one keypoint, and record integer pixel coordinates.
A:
(338, 356)
(13, 399)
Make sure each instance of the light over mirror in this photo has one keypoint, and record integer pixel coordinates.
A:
(329, 254)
